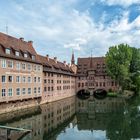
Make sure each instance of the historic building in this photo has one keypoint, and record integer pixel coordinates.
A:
(92, 75)
(20, 72)
(59, 80)
(28, 79)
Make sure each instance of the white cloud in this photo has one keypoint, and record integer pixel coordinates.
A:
(77, 44)
(58, 25)
(124, 3)
(74, 46)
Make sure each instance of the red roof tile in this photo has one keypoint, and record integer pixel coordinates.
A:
(15, 44)
(55, 66)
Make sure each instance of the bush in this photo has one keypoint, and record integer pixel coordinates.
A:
(112, 94)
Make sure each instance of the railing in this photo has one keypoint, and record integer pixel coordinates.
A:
(12, 133)
(16, 129)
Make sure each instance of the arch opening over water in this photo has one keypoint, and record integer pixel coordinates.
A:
(83, 94)
(100, 93)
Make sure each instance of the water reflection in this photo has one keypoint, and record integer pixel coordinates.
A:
(76, 119)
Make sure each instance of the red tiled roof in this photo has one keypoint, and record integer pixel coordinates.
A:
(15, 44)
(98, 64)
(55, 66)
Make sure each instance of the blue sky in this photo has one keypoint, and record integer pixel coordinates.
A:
(58, 26)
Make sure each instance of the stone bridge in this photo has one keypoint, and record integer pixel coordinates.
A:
(98, 92)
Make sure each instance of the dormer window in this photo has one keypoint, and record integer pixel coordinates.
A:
(25, 55)
(7, 51)
(17, 53)
(33, 57)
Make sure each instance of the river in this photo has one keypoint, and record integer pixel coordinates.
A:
(76, 119)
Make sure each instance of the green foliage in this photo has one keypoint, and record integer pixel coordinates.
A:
(123, 65)
(112, 94)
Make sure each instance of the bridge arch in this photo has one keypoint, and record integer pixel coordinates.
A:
(100, 93)
(83, 93)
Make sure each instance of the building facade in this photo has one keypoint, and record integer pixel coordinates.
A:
(59, 80)
(20, 73)
(92, 75)
(27, 78)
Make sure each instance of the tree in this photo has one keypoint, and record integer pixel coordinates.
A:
(135, 69)
(118, 60)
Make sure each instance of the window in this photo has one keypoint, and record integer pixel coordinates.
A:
(10, 64)
(23, 79)
(35, 67)
(18, 91)
(10, 79)
(35, 79)
(79, 84)
(45, 88)
(29, 79)
(25, 55)
(3, 63)
(39, 90)
(45, 74)
(29, 90)
(33, 57)
(18, 66)
(23, 66)
(29, 67)
(97, 84)
(10, 92)
(23, 91)
(39, 79)
(48, 88)
(3, 78)
(7, 51)
(17, 53)
(35, 90)
(18, 79)
(112, 83)
(39, 68)
(3, 92)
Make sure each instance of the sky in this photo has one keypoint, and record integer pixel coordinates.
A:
(57, 27)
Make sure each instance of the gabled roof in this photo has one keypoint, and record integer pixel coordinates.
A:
(14, 45)
(57, 67)
(98, 65)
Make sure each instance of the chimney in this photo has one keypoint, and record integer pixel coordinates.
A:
(30, 43)
(55, 59)
(64, 63)
(47, 56)
(21, 38)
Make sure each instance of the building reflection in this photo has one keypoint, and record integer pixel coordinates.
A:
(27, 119)
(95, 112)
(56, 116)
(99, 106)
(45, 122)
(118, 118)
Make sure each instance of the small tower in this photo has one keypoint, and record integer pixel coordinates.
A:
(72, 59)
(73, 65)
